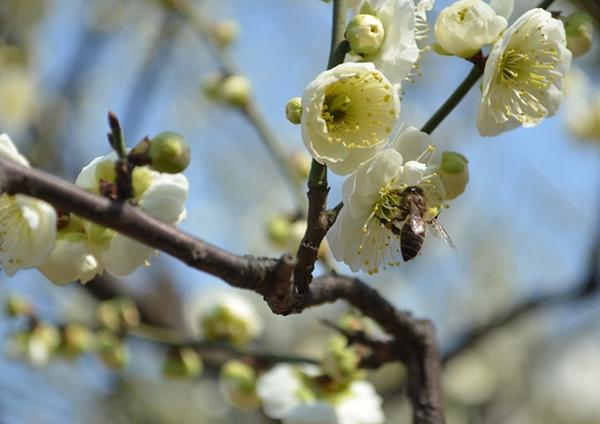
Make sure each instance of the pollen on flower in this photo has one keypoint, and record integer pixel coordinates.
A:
(529, 64)
(356, 110)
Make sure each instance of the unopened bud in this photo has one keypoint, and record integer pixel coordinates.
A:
(169, 153)
(301, 163)
(76, 339)
(117, 314)
(236, 90)
(580, 33)
(17, 305)
(182, 363)
(293, 110)
(111, 350)
(340, 361)
(365, 34)
(454, 172)
(237, 383)
(278, 230)
(41, 343)
(225, 32)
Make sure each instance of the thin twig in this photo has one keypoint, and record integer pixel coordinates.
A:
(251, 112)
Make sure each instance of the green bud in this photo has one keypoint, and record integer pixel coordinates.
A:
(76, 339)
(580, 33)
(17, 305)
(235, 90)
(293, 110)
(169, 153)
(365, 34)
(454, 173)
(111, 350)
(225, 32)
(278, 230)
(301, 163)
(182, 363)
(118, 314)
(38, 344)
(237, 382)
(340, 362)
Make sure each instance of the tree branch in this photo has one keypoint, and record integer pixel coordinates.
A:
(416, 344)
(414, 339)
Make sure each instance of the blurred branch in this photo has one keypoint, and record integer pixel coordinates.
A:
(175, 339)
(586, 289)
(251, 111)
(416, 345)
(146, 82)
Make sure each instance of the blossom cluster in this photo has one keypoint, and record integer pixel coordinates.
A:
(397, 181)
(66, 247)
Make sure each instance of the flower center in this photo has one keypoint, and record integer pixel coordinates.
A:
(527, 69)
(387, 206)
(359, 110)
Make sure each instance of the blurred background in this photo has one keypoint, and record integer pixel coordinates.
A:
(516, 307)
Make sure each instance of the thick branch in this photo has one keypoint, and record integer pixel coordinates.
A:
(415, 340)
(240, 271)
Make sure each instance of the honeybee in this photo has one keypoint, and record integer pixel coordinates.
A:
(412, 214)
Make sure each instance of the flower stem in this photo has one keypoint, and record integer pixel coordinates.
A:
(453, 100)
(251, 112)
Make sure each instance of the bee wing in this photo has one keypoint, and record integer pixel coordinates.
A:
(442, 233)
(416, 220)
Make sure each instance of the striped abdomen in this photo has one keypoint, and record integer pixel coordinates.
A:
(410, 242)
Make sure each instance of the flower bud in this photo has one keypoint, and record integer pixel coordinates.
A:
(225, 32)
(466, 26)
(17, 305)
(580, 32)
(76, 339)
(340, 361)
(293, 110)
(365, 34)
(234, 90)
(301, 163)
(111, 350)
(117, 314)
(169, 153)
(278, 230)
(40, 343)
(237, 383)
(454, 173)
(182, 363)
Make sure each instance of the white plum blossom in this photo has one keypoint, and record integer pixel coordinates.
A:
(293, 395)
(466, 26)
(523, 78)
(27, 225)
(73, 257)
(404, 24)
(85, 249)
(222, 315)
(348, 113)
(364, 236)
(160, 195)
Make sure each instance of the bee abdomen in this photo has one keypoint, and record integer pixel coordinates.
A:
(410, 242)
